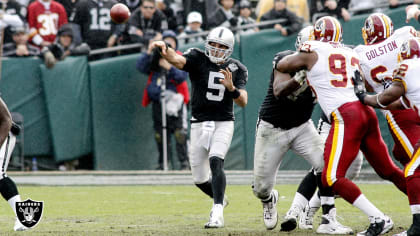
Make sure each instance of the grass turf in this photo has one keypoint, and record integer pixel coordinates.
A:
(179, 210)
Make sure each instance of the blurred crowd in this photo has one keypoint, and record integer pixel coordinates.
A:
(54, 29)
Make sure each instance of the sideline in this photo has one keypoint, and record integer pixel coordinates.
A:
(80, 178)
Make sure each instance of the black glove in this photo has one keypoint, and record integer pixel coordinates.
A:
(359, 86)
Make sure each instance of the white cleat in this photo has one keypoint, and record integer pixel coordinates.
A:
(330, 225)
(270, 211)
(216, 217)
(290, 220)
(19, 226)
(306, 218)
(378, 226)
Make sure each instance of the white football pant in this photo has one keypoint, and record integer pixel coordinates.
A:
(208, 139)
(271, 144)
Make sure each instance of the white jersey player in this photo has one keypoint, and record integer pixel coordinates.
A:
(330, 66)
(407, 84)
(378, 60)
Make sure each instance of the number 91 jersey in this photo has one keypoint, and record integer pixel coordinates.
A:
(330, 76)
(211, 101)
(378, 61)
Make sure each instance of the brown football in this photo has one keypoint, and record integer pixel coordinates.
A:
(119, 13)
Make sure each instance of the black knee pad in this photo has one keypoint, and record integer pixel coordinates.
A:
(8, 188)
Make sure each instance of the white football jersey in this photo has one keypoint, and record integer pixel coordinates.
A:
(331, 75)
(378, 61)
(408, 73)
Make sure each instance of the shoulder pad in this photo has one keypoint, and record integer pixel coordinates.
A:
(309, 46)
(403, 31)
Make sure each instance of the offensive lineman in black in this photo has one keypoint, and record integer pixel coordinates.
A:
(217, 81)
(277, 132)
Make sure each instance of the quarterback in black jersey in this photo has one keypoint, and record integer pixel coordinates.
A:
(217, 81)
(278, 132)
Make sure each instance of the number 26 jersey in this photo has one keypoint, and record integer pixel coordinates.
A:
(211, 101)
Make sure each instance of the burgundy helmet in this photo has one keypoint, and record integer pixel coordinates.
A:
(328, 29)
(377, 28)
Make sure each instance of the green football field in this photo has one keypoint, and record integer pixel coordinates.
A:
(178, 210)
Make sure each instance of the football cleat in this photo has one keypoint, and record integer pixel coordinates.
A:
(378, 226)
(216, 217)
(290, 220)
(330, 225)
(306, 217)
(412, 231)
(270, 211)
(19, 226)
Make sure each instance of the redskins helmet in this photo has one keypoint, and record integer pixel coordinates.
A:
(328, 29)
(223, 36)
(409, 49)
(377, 28)
(304, 35)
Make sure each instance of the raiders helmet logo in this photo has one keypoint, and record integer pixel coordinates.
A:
(29, 212)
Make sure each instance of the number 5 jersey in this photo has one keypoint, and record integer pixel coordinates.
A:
(211, 101)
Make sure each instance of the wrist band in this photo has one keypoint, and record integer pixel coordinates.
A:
(235, 93)
(377, 101)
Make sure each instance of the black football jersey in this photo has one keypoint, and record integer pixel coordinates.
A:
(286, 112)
(211, 101)
(95, 21)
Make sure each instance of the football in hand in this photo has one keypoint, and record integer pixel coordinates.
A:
(119, 13)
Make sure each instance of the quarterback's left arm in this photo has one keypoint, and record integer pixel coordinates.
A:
(240, 96)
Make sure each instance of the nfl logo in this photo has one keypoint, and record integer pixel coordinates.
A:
(29, 212)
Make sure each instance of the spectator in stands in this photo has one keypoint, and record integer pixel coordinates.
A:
(291, 23)
(43, 30)
(97, 28)
(335, 8)
(205, 8)
(131, 4)
(12, 8)
(300, 8)
(153, 65)
(20, 46)
(363, 6)
(163, 6)
(70, 7)
(412, 11)
(63, 46)
(223, 16)
(396, 3)
(146, 23)
(245, 17)
(194, 20)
